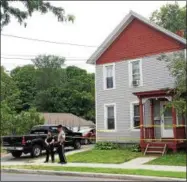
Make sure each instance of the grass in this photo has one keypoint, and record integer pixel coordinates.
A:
(177, 159)
(105, 170)
(115, 156)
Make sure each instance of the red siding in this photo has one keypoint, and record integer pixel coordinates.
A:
(138, 40)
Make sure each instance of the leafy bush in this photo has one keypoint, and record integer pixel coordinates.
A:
(13, 123)
(135, 148)
(106, 146)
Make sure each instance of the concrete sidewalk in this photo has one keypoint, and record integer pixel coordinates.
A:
(96, 165)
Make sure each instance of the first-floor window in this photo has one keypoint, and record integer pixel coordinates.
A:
(136, 116)
(110, 117)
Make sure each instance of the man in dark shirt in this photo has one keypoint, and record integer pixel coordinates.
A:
(49, 141)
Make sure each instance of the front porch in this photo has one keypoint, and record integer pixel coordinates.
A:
(160, 127)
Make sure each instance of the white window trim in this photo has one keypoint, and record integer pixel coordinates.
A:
(130, 72)
(104, 76)
(132, 114)
(105, 117)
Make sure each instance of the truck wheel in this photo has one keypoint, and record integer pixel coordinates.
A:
(77, 144)
(36, 151)
(16, 154)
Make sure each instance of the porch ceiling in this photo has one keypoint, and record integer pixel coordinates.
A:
(154, 93)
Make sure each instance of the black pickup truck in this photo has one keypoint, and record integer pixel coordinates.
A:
(34, 143)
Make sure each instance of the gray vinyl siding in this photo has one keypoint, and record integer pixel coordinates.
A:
(155, 76)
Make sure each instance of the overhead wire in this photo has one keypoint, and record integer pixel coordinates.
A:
(53, 42)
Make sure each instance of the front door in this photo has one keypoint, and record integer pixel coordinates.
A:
(166, 121)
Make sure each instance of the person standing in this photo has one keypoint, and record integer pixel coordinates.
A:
(49, 141)
(60, 145)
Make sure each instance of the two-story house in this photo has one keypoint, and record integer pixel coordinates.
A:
(130, 86)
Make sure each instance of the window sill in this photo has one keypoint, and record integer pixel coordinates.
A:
(109, 88)
(131, 86)
(135, 130)
(107, 131)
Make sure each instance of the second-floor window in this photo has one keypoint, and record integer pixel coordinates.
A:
(109, 82)
(135, 73)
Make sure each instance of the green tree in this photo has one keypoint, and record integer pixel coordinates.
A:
(176, 64)
(9, 10)
(9, 91)
(170, 16)
(49, 71)
(24, 121)
(25, 79)
(19, 124)
(7, 118)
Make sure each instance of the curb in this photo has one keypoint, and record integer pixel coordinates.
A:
(93, 175)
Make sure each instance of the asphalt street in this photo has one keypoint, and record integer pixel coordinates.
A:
(35, 177)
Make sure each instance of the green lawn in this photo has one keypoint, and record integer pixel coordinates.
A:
(178, 159)
(115, 156)
(105, 170)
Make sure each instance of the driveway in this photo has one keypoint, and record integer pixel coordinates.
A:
(8, 159)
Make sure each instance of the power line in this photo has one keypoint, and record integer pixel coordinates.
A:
(36, 55)
(66, 59)
(48, 41)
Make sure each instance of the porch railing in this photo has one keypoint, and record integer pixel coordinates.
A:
(148, 133)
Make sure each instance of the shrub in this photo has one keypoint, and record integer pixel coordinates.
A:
(106, 146)
(135, 148)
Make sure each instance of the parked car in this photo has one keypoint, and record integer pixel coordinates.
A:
(34, 143)
(89, 135)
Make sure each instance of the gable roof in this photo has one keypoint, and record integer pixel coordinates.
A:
(66, 119)
(122, 25)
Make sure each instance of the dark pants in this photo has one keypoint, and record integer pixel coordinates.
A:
(50, 150)
(61, 154)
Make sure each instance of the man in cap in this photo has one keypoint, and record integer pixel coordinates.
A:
(60, 144)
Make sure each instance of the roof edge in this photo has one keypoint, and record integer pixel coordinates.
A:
(121, 26)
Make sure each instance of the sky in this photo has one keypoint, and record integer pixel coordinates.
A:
(94, 20)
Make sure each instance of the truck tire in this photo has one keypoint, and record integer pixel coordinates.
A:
(16, 154)
(36, 151)
(77, 144)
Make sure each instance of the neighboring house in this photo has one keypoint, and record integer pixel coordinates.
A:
(67, 119)
(130, 85)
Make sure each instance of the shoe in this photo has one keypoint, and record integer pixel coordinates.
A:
(53, 161)
(62, 162)
(46, 162)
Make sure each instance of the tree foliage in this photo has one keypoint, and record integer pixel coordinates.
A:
(25, 79)
(170, 16)
(173, 18)
(9, 10)
(9, 91)
(176, 64)
(51, 88)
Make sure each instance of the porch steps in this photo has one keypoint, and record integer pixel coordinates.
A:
(155, 148)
